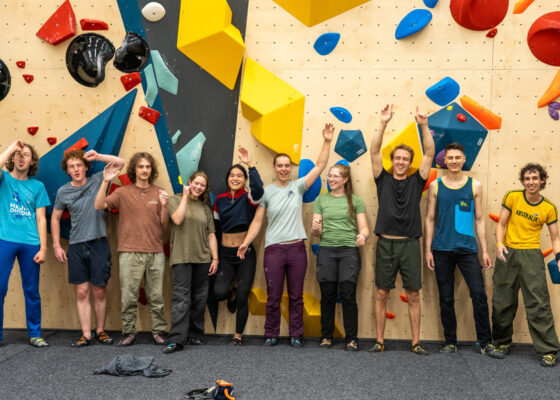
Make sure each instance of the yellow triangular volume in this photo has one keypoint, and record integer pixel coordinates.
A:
(409, 136)
(312, 12)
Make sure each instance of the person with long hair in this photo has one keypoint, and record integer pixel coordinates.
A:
(235, 210)
(339, 217)
(194, 256)
(23, 231)
(285, 255)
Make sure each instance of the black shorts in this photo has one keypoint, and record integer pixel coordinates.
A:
(393, 255)
(90, 262)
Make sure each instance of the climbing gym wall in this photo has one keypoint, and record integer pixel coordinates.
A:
(268, 75)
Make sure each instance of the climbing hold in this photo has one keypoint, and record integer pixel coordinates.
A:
(208, 38)
(305, 166)
(93, 25)
(554, 272)
(430, 3)
(486, 117)
(479, 15)
(554, 104)
(404, 298)
(350, 144)
(413, 22)
(28, 78)
(315, 248)
(149, 114)
(546, 253)
(80, 144)
(312, 12)
(521, 6)
(32, 130)
(390, 315)
(133, 54)
(552, 92)
(440, 159)
(431, 177)
(494, 217)
(113, 187)
(131, 80)
(86, 57)
(342, 114)
(151, 90)
(51, 140)
(176, 136)
(165, 78)
(125, 180)
(447, 128)
(410, 137)
(544, 38)
(189, 156)
(275, 109)
(60, 26)
(20, 64)
(153, 11)
(443, 92)
(5, 80)
(326, 43)
(492, 32)
(65, 215)
(461, 117)
(553, 113)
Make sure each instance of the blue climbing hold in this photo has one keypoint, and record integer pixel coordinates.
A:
(350, 144)
(412, 23)
(342, 114)
(443, 92)
(306, 165)
(189, 157)
(326, 43)
(315, 248)
(554, 273)
(430, 3)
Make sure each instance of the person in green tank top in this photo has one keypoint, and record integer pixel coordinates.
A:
(339, 218)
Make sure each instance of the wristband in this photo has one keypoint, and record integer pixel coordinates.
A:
(499, 243)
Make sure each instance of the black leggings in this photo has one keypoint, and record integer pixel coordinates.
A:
(230, 267)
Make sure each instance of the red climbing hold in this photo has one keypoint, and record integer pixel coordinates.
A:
(113, 187)
(149, 114)
(80, 144)
(479, 15)
(546, 253)
(494, 217)
(491, 33)
(461, 117)
(65, 215)
(544, 38)
(404, 298)
(32, 130)
(390, 315)
(125, 180)
(51, 140)
(115, 211)
(93, 25)
(28, 78)
(60, 26)
(131, 80)
(20, 64)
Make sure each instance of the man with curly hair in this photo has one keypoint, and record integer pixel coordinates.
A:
(23, 231)
(520, 265)
(142, 214)
(89, 254)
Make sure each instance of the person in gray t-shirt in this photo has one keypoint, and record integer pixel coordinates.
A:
(89, 254)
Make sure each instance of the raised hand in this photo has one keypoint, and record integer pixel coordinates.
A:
(421, 117)
(244, 156)
(91, 155)
(110, 172)
(186, 190)
(328, 132)
(387, 113)
(163, 197)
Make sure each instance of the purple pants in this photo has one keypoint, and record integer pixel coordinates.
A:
(289, 260)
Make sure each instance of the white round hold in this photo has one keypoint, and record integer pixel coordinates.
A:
(153, 11)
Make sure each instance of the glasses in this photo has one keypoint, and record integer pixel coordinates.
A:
(331, 176)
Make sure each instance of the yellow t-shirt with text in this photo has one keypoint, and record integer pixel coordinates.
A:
(526, 220)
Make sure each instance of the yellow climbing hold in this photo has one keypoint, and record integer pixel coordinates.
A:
(410, 137)
(207, 37)
(274, 108)
(312, 12)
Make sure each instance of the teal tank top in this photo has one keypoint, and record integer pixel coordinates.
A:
(455, 218)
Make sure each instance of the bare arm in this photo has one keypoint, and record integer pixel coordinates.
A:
(93, 155)
(9, 152)
(377, 139)
(252, 233)
(363, 229)
(480, 224)
(554, 237)
(312, 176)
(213, 242)
(501, 233)
(429, 224)
(109, 173)
(41, 217)
(59, 252)
(164, 217)
(427, 142)
(179, 215)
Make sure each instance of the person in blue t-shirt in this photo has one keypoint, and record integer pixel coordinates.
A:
(23, 231)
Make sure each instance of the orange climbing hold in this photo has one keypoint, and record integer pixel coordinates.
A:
(390, 315)
(404, 298)
(552, 92)
(547, 252)
(494, 217)
(80, 144)
(482, 114)
(521, 6)
(432, 177)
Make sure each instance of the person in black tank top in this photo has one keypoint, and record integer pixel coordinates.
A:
(399, 224)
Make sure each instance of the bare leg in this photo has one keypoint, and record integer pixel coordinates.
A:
(84, 308)
(381, 312)
(100, 305)
(414, 314)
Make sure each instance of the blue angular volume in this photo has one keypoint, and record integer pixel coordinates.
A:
(350, 144)
(342, 114)
(430, 3)
(306, 165)
(326, 43)
(443, 92)
(412, 23)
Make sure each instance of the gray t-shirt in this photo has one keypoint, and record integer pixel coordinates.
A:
(283, 208)
(87, 222)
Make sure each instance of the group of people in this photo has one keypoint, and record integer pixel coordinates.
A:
(453, 223)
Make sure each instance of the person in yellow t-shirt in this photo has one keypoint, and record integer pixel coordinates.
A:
(520, 264)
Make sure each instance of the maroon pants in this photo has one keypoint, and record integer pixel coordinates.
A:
(281, 260)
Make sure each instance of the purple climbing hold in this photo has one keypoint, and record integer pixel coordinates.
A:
(554, 104)
(326, 43)
(553, 113)
(440, 159)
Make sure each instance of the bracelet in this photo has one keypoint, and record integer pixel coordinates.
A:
(499, 244)
(215, 259)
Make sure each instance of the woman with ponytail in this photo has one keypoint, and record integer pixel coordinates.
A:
(339, 218)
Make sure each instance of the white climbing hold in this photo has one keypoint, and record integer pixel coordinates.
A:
(153, 11)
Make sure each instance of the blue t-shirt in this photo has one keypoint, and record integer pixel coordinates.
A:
(19, 201)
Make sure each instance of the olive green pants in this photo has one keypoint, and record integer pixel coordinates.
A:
(525, 269)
